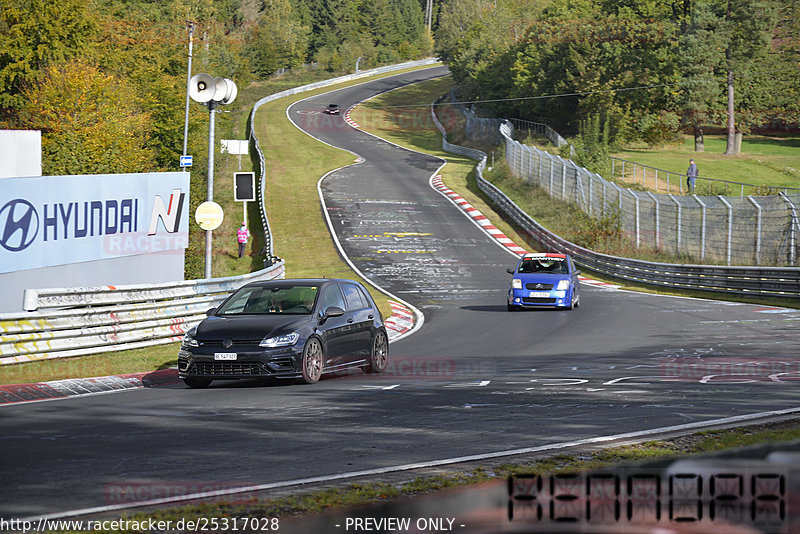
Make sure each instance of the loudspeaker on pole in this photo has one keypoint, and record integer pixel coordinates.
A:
(202, 88)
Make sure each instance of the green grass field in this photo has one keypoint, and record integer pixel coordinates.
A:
(765, 161)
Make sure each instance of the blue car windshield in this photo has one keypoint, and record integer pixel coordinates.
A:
(548, 266)
(266, 300)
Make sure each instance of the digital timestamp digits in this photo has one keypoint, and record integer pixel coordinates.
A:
(641, 497)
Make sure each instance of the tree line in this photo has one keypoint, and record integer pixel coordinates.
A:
(646, 69)
(105, 80)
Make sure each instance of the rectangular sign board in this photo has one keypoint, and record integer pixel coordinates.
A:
(186, 161)
(244, 186)
(59, 220)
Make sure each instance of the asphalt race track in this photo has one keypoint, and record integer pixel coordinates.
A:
(475, 379)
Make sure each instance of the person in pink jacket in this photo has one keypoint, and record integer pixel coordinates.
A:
(242, 234)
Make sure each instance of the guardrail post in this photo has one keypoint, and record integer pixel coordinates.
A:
(730, 225)
(658, 235)
(552, 170)
(30, 300)
(563, 180)
(702, 228)
(623, 170)
(677, 225)
(656, 188)
(758, 228)
(613, 161)
(792, 229)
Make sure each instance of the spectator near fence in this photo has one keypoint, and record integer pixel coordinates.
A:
(691, 177)
(241, 235)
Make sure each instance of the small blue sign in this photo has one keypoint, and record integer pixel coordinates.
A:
(186, 161)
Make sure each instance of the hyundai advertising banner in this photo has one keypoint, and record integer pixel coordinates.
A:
(59, 220)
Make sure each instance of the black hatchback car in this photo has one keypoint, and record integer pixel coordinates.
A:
(296, 329)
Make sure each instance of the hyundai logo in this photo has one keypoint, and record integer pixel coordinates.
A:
(228, 343)
(20, 224)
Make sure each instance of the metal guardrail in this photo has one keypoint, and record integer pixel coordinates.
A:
(761, 281)
(87, 320)
(296, 90)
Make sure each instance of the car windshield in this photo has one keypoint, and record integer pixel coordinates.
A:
(551, 266)
(270, 300)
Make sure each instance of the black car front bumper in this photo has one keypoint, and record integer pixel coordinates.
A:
(272, 363)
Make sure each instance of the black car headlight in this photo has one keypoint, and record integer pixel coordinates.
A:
(285, 340)
(189, 340)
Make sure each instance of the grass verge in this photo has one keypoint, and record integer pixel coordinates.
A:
(393, 487)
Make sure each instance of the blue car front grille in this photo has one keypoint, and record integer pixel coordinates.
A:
(539, 287)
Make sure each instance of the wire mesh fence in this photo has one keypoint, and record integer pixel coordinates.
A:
(751, 230)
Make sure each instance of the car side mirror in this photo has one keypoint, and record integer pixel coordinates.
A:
(510, 271)
(210, 311)
(577, 272)
(333, 311)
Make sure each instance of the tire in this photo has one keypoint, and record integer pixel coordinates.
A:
(578, 301)
(197, 383)
(312, 362)
(379, 355)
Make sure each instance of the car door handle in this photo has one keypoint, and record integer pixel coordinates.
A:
(370, 316)
(350, 320)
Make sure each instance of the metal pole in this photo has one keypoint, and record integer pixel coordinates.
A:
(702, 229)
(657, 236)
(638, 235)
(188, 80)
(730, 225)
(792, 229)
(210, 190)
(758, 229)
(678, 225)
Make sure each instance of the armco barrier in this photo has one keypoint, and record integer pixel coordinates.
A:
(296, 90)
(88, 320)
(761, 281)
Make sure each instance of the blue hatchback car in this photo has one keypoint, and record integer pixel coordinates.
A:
(544, 279)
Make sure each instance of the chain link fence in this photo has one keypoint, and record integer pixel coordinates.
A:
(743, 230)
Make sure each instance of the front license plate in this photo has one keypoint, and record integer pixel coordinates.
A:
(540, 294)
(225, 355)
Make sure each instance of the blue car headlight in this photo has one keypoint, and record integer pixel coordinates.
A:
(563, 285)
(285, 340)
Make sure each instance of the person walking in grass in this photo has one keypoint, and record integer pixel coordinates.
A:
(691, 177)
(241, 235)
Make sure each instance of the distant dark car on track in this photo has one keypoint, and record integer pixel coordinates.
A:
(332, 109)
(544, 279)
(294, 329)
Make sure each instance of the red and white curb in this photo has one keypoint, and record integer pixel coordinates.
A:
(598, 283)
(401, 321)
(349, 120)
(75, 387)
(497, 234)
(477, 216)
